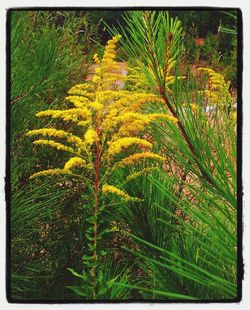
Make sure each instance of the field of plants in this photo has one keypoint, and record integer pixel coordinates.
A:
(123, 148)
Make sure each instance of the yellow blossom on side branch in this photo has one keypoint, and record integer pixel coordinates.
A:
(91, 136)
(56, 171)
(132, 159)
(54, 144)
(114, 190)
(194, 107)
(137, 174)
(52, 132)
(66, 115)
(218, 89)
(96, 105)
(74, 162)
(96, 58)
(117, 146)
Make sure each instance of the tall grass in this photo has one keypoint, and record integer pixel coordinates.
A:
(46, 59)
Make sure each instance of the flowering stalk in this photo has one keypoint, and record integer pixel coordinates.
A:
(109, 134)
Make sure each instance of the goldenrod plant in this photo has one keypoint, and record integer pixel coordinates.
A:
(107, 135)
(217, 91)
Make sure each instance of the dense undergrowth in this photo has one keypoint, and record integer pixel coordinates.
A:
(126, 193)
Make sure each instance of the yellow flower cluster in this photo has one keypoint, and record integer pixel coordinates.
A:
(96, 58)
(108, 121)
(132, 159)
(129, 101)
(143, 118)
(83, 102)
(66, 115)
(218, 89)
(124, 112)
(193, 106)
(56, 171)
(137, 174)
(76, 140)
(139, 81)
(91, 136)
(155, 116)
(74, 162)
(78, 89)
(114, 190)
(146, 98)
(117, 146)
(78, 101)
(57, 145)
(234, 117)
(110, 53)
(52, 132)
(81, 93)
(96, 105)
(84, 123)
(105, 76)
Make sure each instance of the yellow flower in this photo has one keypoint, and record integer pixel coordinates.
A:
(52, 132)
(105, 76)
(135, 175)
(154, 116)
(50, 172)
(234, 117)
(84, 123)
(54, 144)
(98, 71)
(96, 58)
(96, 79)
(218, 92)
(138, 156)
(96, 105)
(114, 190)
(74, 162)
(80, 89)
(123, 143)
(131, 128)
(70, 114)
(194, 107)
(78, 101)
(91, 136)
(76, 140)
(208, 70)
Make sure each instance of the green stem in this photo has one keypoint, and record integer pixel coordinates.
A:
(204, 173)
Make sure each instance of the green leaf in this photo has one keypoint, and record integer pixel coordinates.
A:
(78, 290)
(75, 273)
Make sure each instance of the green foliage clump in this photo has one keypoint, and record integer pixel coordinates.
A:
(45, 60)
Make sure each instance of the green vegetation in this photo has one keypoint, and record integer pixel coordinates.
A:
(146, 206)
